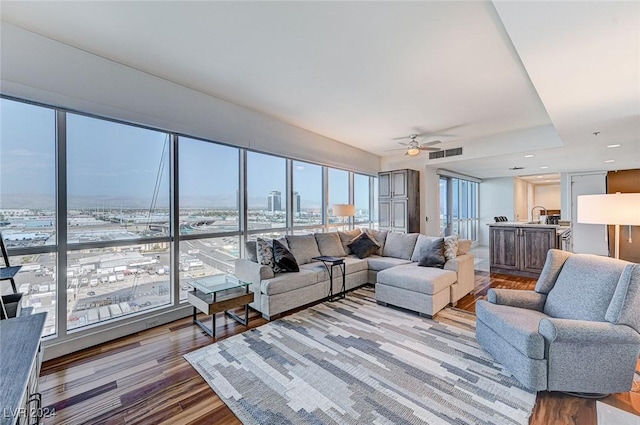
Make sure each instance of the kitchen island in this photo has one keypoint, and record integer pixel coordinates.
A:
(518, 248)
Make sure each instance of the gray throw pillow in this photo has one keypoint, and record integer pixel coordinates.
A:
(250, 251)
(422, 240)
(363, 245)
(399, 245)
(329, 244)
(379, 236)
(264, 251)
(303, 247)
(284, 259)
(347, 237)
(431, 253)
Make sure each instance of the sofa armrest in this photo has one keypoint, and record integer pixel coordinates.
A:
(464, 266)
(517, 298)
(582, 331)
(248, 271)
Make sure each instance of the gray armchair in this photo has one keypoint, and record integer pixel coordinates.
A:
(577, 332)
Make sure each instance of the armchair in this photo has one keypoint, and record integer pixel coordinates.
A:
(577, 332)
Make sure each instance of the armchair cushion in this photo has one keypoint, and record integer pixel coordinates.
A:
(517, 298)
(584, 288)
(552, 266)
(518, 326)
(625, 305)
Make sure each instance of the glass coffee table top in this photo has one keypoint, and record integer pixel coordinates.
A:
(217, 283)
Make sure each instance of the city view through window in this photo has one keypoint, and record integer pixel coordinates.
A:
(115, 189)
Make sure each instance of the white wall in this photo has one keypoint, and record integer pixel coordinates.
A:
(548, 195)
(521, 189)
(496, 198)
(42, 70)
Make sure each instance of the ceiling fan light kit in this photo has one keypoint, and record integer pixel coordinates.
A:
(413, 151)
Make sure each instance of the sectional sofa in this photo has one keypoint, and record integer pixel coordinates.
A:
(393, 267)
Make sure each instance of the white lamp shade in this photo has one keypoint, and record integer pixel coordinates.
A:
(615, 208)
(344, 210)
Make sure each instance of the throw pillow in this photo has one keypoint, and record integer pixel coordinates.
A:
(250, 250)
(363, 245)
(451, 247)
(399, 245)
(284, 259)
(432, 253)
(379, 236)
(264, 253)
(329, 244)
(422, 241)
(347, 237)
(303, 247)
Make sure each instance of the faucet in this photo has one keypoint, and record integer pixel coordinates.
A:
(541, 209)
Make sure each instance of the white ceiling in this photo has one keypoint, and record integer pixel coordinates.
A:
(501, 79)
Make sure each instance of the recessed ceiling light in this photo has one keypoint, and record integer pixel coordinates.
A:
(617, 145)
(528, 156)
(610, 160)
(544, 167)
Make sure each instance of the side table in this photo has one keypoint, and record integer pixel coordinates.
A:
(216, 294)
(331, 262)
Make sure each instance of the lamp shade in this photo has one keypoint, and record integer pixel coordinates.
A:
(615, 208)
(344, 210)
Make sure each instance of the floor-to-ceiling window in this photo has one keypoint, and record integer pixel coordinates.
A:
(459, 207)
(112, 220)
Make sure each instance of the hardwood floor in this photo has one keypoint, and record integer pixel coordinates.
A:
(143, 378)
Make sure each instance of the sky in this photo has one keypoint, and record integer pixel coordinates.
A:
(106, 159)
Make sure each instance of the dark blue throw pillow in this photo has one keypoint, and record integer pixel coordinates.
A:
(363, 246)
(432, 253)
(284, 258)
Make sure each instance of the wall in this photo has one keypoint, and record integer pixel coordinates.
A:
(42, 70)
(496, 198)
(548, 195)
(521, 190)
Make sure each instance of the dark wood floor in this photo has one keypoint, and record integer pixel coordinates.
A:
(143, 378)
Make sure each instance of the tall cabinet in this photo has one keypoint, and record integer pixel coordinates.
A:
(399, 201)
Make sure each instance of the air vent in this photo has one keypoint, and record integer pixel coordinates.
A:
(445, 153)
(516, 168)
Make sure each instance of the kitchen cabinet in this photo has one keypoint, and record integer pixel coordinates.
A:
(520, 250)
(399, 201)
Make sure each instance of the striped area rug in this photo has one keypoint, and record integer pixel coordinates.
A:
(355, 362)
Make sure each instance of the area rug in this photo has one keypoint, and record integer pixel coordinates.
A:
(355, 362)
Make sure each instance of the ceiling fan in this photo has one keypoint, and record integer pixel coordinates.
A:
(414, 147)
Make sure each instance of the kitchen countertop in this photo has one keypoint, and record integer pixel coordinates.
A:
(559, 229)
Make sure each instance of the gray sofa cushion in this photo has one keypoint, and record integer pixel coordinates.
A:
(377, 263)
(346, 237)
(303, 247)
(625, 305)
(329, 244)
(380, 236)
(351, 264)
(518, 326)
(417, 279)
(584, 295)
(399, 245)
(286, 282)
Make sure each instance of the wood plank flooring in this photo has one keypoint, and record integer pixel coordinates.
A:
(143, 378)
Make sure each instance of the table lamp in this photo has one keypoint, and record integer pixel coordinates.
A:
(344, 210)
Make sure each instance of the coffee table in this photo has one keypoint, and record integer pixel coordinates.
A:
(217, 294)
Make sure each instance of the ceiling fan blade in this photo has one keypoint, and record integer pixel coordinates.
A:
(434, 142)
(426, 148)
(402, 138)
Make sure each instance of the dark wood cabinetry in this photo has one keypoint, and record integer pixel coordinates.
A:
(399, 201)
(520, 250)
